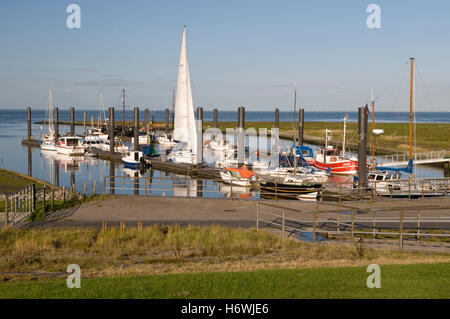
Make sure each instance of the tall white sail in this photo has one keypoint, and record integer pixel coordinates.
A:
(184, 122)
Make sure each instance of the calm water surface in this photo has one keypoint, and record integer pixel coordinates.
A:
(49, 166)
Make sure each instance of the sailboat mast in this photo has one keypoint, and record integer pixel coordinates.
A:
(411, 96)
(293, 118)
(373, 128)
(173, 108)
(50, 109)
(123, 112)
(343, 141)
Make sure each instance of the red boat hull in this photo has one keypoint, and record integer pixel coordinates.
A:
(343, 167)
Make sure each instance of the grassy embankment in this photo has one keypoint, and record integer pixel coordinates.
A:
(397, 281)
(11, 182)
(210, 262)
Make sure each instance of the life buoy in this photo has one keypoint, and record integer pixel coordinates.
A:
(333, 159)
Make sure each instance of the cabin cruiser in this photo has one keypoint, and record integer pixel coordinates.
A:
(143, 138)
(182, 156)
(132, 159)
(220, 146)
(98, 132)
(48, 145)
(70, 145)
(332, 159)
(119, 147)
(165, 141)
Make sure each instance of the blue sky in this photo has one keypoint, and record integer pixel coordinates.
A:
(250, 53)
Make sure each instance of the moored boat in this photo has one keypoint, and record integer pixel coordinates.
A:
(70, 145)
(238, 176)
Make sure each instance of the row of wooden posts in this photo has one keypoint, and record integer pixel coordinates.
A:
(25, 200)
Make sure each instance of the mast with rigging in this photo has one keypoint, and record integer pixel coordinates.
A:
(373, 128)
(411, 97)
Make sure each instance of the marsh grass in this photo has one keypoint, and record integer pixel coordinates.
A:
(175, 249)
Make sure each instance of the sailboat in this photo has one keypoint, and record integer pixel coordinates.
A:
(98, 132)
(48, 140)
(184, 123)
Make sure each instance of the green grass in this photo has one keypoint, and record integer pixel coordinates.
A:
(40, 212)
(11, 182)
(397, 281)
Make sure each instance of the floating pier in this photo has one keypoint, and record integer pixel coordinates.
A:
(196, 170)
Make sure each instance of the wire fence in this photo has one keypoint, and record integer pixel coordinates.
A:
(403, 223)
(187, 186)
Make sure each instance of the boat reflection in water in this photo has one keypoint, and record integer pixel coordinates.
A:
(237, 192)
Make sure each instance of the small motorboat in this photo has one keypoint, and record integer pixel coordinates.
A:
(165, 141)
(238, 176)
(132, 159)
(183, 156)
(48, 145)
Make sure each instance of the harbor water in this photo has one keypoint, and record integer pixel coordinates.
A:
(81, 171)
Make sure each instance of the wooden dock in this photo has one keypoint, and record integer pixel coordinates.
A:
(199, 171)
(33, 143)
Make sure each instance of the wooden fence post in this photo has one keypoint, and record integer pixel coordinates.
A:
(187, 187)
(95, 184)
(231, 190)
(6, 210)
(353, 223)
(374, 217)
(338, 224)
(43, 199)
(276, 190)
(401, 229)
(418, 224)
(257, 215)
(53, 198)
(33, 191)
(314, 225)
(321, 192)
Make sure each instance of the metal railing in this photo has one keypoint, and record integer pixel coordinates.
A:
(27, 200)
(404, 157)
(186, 186)
(352, 221)
(20, 204)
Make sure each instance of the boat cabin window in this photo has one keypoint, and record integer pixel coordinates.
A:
(71, 141)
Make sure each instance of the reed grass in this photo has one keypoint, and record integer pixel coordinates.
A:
(173, 249)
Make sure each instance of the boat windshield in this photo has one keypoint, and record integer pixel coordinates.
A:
(72, 141)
